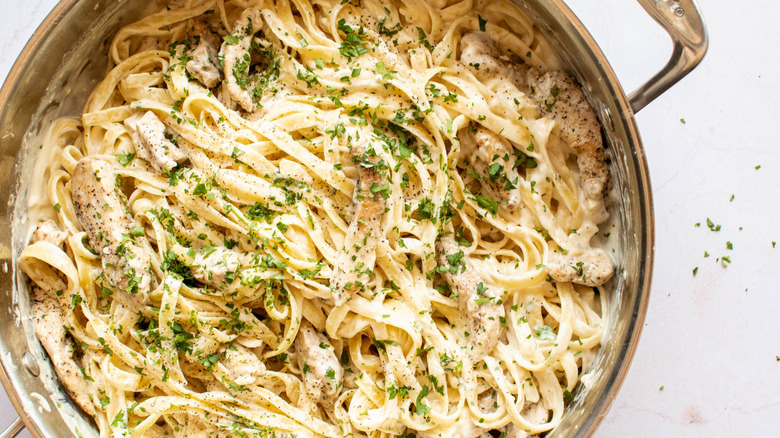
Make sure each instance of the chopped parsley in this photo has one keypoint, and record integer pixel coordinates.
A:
(388, 31)
(232, 40)
(426, 210)
(424, 39)
(352, 46)
(482, 23)
(488, 204)
(545, 333)
(420, 407)
(125, 159)
(309, 77)
(380, 67)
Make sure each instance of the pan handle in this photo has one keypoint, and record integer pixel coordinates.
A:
(13, 430)
(683, 21)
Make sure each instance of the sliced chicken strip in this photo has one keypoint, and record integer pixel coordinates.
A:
(243, 365)
(487, 60)
(49, 320)
(322, 371)
(493, 159)
(152, 145)
(559, 97)
(237, 59)
(356, 262)
(48, 231)
(204, 65)
(103, 215)
(590, 268)
(212, 267)
(479, 303)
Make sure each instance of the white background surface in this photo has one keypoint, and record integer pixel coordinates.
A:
(711, 341)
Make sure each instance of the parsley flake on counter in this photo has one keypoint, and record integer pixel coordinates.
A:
(712, 225)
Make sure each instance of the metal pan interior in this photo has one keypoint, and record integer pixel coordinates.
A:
(66, 58)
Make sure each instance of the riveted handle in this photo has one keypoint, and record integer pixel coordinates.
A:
(683, 21)
(13, 430)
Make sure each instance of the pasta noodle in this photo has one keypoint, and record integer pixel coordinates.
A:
(321, 218)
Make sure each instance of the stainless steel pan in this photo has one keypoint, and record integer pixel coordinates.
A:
(67, 56)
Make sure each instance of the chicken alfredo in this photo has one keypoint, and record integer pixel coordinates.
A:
(324, 218)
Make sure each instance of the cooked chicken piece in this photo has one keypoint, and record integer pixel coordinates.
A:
(558, 96)
(322, 372)
(204, 65)
(487, 401)
(244, 366)
(212, 268)
(48, 231)
(49, 319)
(493, 159)
(237, 59)
(356, 262)
(534, 413)
(103, 215)
(152, 145)
(590, 268)
(479, 303)
(487, 60)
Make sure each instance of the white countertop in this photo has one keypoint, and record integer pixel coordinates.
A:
(708, 363)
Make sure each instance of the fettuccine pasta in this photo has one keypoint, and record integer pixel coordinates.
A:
(324, 218)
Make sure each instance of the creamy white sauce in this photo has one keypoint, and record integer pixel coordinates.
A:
(43, 404)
